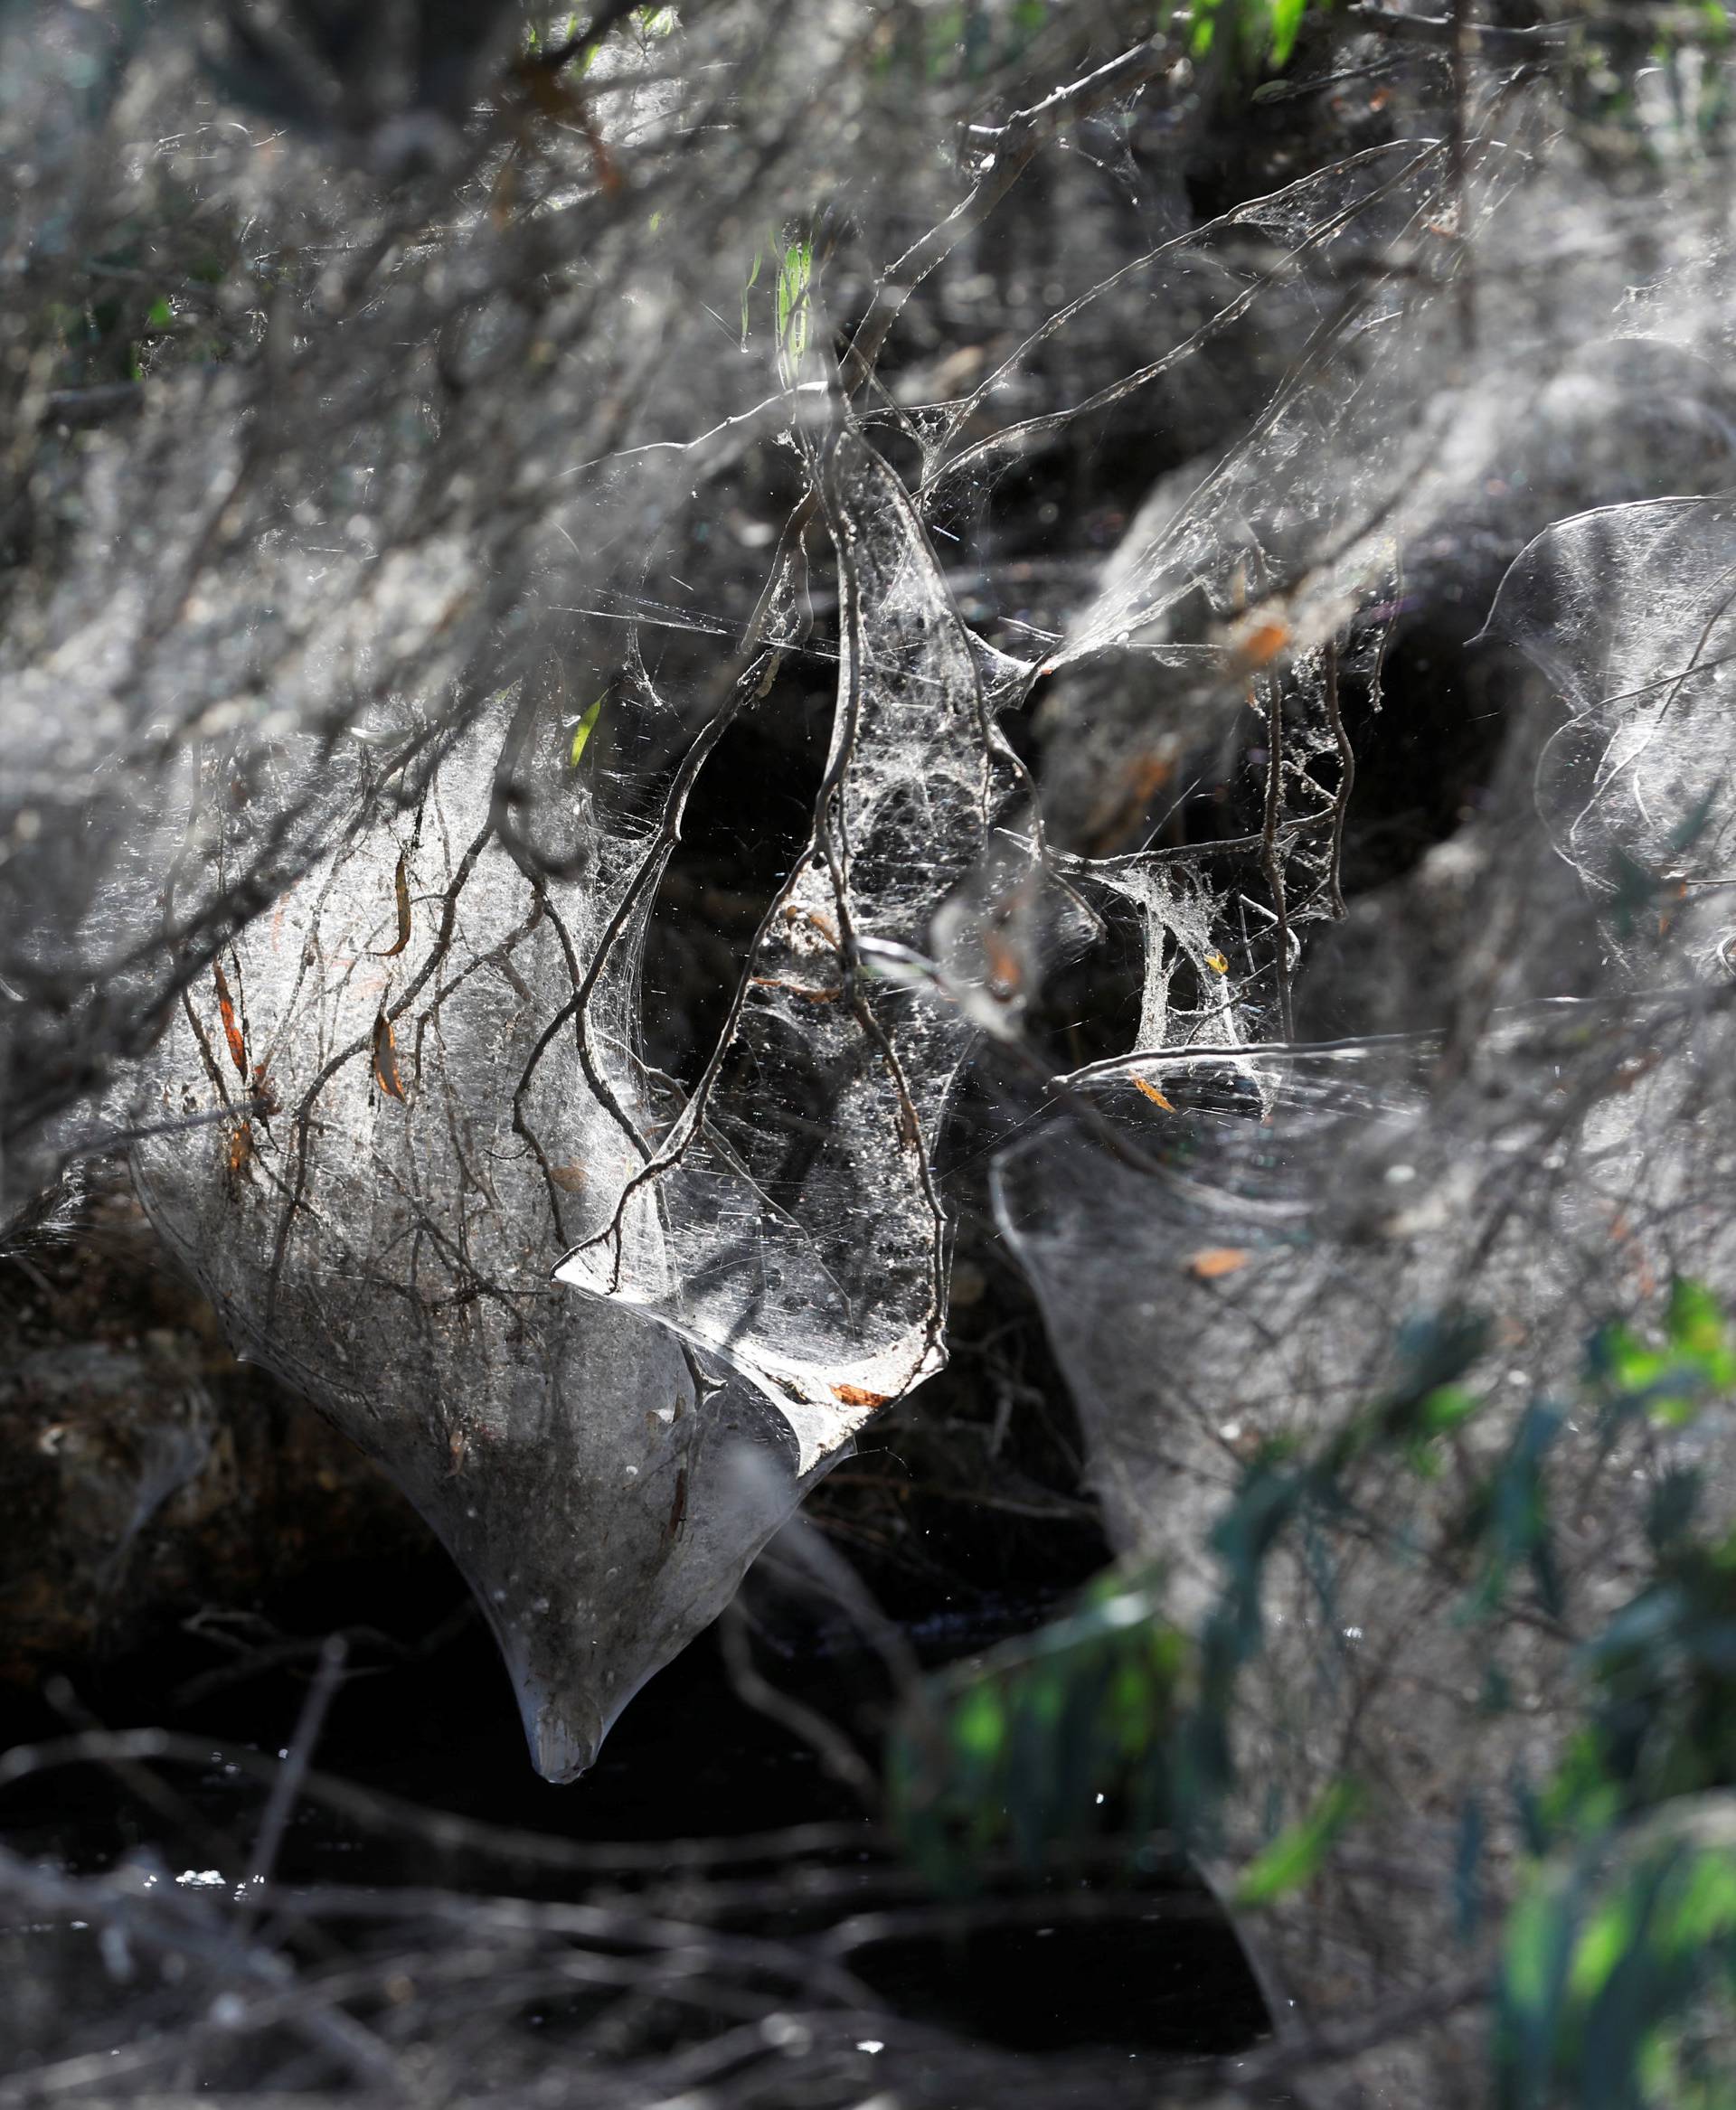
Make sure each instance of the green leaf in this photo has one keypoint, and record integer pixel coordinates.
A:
(1609, 1956)
(1296, 1856)
(979, 1726)
(1702, 1907)
(1509, 1516)
(1696, 1327)
(1287, 19)
(587, 725)
(794, 275)
(1670, 1384)
(1605, 1938)
(1533, 1939)
(1046, 1740)
(1448, 1408)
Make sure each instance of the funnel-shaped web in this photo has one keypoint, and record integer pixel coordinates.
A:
(1259, 1296)
(786, 1219)
(421, 1076)
(374, 1214)
(1630, 612)
(1302, 1226)
(1301, 514)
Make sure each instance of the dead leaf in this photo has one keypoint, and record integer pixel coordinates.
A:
(1259, 647)
(1153, 1094)
(1119, 813)
(1213, 1261)
(857, 1396)
(551, 96)
(795, 989)
(814, 919)
(504, 192)
(570, 1179)
(231, 1027)
(265, 1092)
(1006, 969)
(241, 1145)
(401, 888)
(1217, 963)
(385, 1059)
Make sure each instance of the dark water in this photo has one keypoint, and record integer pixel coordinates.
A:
(1144, 1966)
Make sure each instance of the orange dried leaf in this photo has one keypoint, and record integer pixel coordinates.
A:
(795, 989)
(241, 1145)
(385, 1059)
(1217, 963)
(792, 914)
(1213, 1261)
(401, 888)
(1153, 1094)
(858, 1395)
(1261, 646)
(231, 1027)
(1006, 969)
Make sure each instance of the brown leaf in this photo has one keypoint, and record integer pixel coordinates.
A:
(546, 90)
(385, 1059)
(264, 1091)
(570, 1179)
(812, 918)
(795, 989)
(504, 192)
(1119, 812)
(1213, 1261)
(1006, 969)
(1153, 1094)
(1259, 646)
(402, 887)
(857, 1396)
(241, 1145)
(231, 1028)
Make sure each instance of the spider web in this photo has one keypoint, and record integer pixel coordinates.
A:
(787, 1220)
(1627, 610)
(403, 1134)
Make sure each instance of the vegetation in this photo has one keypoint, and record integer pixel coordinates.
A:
(686, 690)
